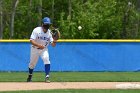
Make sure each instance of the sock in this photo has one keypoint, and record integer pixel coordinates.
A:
(47, 69)
(30, 71)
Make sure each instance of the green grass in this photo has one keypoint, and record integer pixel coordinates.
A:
(76, 91)
(73, 76)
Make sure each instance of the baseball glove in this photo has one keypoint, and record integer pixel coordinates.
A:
(55, 34)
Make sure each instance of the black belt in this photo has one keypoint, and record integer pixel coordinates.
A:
(36, 47)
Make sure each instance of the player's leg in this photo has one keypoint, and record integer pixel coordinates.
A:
(33, 60)
(45, 58)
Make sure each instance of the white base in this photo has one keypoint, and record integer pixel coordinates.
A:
(128, 86)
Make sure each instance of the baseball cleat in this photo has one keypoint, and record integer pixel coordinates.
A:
(29, 79)
(47, 80)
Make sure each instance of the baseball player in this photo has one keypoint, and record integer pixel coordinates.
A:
(40, 39)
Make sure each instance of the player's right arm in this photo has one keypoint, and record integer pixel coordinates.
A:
(36, 44)
(33, 42)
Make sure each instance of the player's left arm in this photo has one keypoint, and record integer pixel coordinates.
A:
(52, 41)
(55, 35)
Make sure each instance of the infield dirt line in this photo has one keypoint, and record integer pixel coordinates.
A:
(14, 86)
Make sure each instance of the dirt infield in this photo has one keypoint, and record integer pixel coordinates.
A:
(14, 86)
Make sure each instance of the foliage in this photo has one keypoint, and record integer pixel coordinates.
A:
(100, 19)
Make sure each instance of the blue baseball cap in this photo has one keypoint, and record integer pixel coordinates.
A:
(46, 20)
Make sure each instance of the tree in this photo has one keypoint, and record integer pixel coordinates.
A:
(1, 20)
(52, 14)
(40, 12)
(14, 5)
(100, 19)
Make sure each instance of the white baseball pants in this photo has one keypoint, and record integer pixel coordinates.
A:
(35, 54)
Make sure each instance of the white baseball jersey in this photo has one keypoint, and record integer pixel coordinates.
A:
(40, 37)
(43, 39)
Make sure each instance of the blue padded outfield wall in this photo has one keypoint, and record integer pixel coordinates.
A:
(66, 56)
